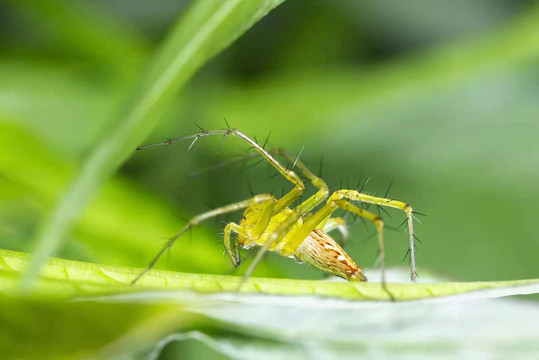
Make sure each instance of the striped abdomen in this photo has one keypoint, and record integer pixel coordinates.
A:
(321, 251)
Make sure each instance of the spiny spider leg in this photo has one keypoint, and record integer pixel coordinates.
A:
(281, 204)
(276, 237)
(234, 256)
(258, 199)
(337, 223)
(290, 245)
(282, 236)
(322, 192)
(292, 220)
(357, 196)
(290, 175)
(285, 201)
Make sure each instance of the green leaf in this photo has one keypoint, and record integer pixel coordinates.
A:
(300, 328)
(206, 28)
(44, 329)
(71, 278)
(89, 310)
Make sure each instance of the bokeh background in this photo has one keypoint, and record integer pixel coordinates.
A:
(438, 98)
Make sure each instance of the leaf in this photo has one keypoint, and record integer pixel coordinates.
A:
(236, 348)
(206, 28)
(34, 328)
(91, 306)
(67, 277)
(289, 327)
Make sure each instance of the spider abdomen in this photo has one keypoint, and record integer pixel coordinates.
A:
(321, 251)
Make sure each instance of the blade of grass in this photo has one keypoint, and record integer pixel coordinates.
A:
(207, 28)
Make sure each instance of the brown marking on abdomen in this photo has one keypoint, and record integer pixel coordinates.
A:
(321, 251)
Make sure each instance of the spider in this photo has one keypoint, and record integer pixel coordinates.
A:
(297, 232)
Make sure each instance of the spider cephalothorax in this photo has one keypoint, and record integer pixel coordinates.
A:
(300, 232)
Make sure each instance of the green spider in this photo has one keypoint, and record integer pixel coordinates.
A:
(297, 232)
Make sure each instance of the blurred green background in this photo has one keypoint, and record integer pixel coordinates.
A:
(438, 98)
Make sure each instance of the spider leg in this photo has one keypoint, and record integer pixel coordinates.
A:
(290, 245)
(276, 237)
(279, 205)
(290, 175)
(292, 220)
(379, 224)
(357, 196)
(335, 223)
(319, 196)
(258, 199)
(234, 256)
